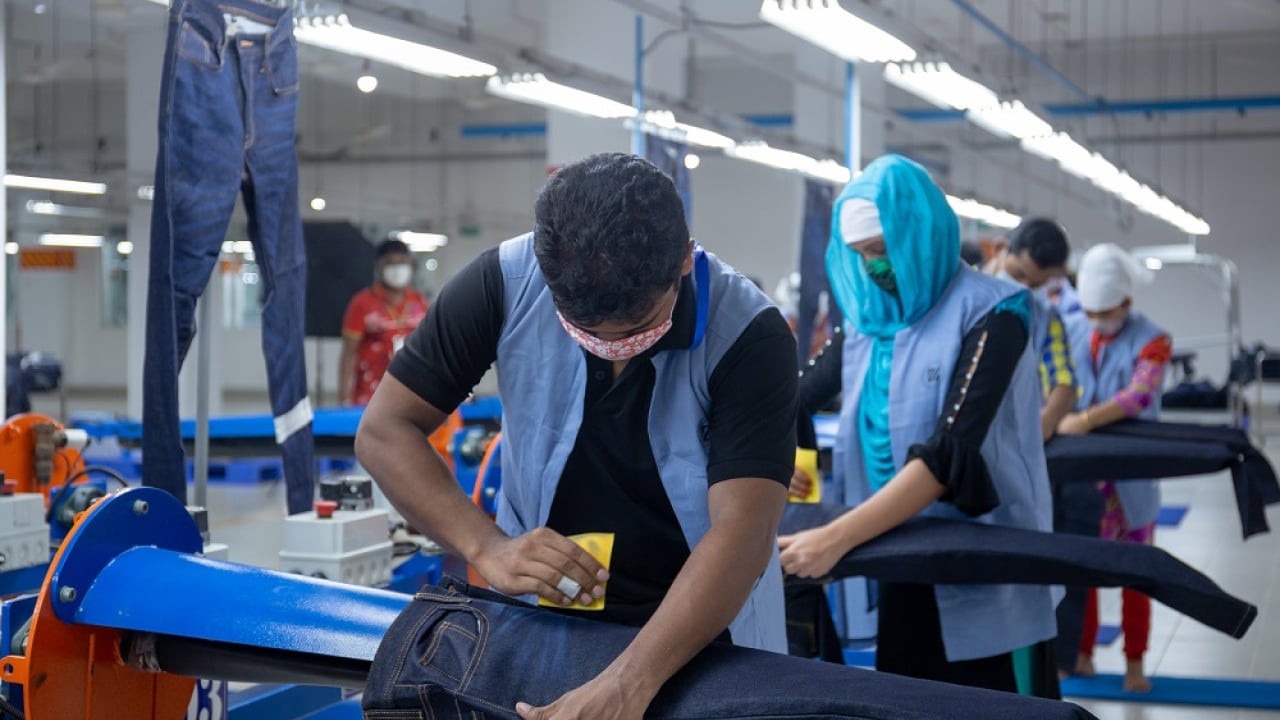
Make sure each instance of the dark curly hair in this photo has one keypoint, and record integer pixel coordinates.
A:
(609, 235)
(1044, 241)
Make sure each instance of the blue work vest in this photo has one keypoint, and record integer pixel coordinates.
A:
(1101, 381)
(977, 620)
(542, 381)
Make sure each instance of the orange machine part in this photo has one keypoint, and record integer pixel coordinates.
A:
(75, 672)
(18, 454)
(443, 437)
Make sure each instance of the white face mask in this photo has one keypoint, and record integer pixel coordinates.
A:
(397, 276)
(1108, 328)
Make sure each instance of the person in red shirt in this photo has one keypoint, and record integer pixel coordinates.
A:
(376, 323)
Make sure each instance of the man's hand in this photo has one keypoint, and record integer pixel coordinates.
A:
(1074, 424)
(811, 553)
(801, 485)
(538, 563)
(604, 698)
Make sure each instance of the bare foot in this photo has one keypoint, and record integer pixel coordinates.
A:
(1084, 666)
(1135, 680)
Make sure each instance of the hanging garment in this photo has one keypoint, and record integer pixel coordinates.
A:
(228, 107)
(1136, 449)
(934, 551)
(458, 653)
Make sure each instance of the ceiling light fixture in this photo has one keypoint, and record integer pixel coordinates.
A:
(335, 32)
(937, 83)
(28, 182)
(662, 123)
(124, 247)
(974, 210)
(420, 241)
(11, 248)
(318, 204)
(70, 240)
(536, 89)
(829, 26)
(762, 153)
(1009, 119)
(40, 207)
(692, 161)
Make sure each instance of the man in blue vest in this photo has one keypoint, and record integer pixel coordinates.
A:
(648, 394)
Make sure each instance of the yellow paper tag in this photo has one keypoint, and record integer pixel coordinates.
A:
(807, 462)
(598, 546)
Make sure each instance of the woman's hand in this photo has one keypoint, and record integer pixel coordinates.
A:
(1074, 424)
(811, 553)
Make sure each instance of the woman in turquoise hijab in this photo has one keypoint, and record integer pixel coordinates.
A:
(940, 417)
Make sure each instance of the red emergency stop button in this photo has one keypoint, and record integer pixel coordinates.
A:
(325, 508)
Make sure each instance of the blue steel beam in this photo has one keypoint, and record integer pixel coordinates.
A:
(1129, 107)
(1022, 50)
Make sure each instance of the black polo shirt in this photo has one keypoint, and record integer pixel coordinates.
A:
(611, 482)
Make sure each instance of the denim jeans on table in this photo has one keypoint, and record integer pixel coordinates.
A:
(228, 106)
(947, 552)
(458, 652)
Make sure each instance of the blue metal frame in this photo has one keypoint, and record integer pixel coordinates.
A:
(1130, 107)
(13, 614)
(1022, 50)
(272, 702)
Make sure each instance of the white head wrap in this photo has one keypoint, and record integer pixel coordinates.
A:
(1107, 275)
(859, 220)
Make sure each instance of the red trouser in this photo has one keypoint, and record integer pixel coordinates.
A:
(1135, 622)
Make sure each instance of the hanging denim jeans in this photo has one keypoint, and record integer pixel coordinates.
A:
(228, 106)
(460, 653)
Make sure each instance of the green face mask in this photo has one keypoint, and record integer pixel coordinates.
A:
(881, 273)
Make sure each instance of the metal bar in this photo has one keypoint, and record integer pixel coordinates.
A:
(504, 130)
(852, 120)
(1021, 50)
(1131, 107)
(204, 351)
(637, 91)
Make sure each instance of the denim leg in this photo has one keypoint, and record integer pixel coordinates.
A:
(275, 228)
(197, 176)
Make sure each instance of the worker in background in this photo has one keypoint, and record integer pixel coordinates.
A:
(1121, 371)
(939, 418)
(376, 322)
(648, 394)
(1036, 252)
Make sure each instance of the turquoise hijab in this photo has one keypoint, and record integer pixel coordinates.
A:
(922, 237)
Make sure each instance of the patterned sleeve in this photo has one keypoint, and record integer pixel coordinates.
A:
(1148, 373)
(1057, 369)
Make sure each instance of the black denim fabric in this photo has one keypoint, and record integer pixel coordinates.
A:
(458, 652)
(1141, 449)
(945, 552)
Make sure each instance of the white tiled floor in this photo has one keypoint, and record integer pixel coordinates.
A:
(1209, 539)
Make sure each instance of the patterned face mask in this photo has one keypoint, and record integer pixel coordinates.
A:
(881, 273)
(617, 350)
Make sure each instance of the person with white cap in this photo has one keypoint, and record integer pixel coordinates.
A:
(1121, 371)
(940, 417)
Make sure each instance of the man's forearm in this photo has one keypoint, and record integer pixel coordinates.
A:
(1057, 406)
(706, 596)
(1106, 413)
(420, 486)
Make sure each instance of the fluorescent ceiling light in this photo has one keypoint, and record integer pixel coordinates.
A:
(974, 210)
(825, 24)
(69, 240)
(830, 170)
(11, 248)
(237, 247)
(1153, 263)
(124, 247)
(662, 123)
(761, 153)
(536, 89)
(40, 207)
(54, 184)
(940, 85)
(146, 192)
(335, 32)
(1009, 119)
(420, 241)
